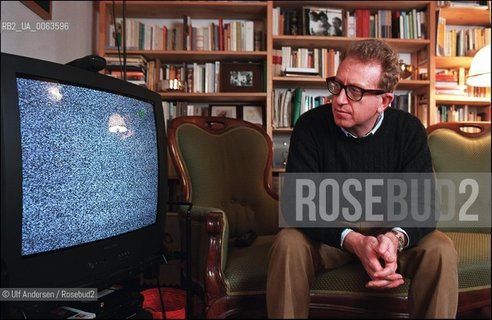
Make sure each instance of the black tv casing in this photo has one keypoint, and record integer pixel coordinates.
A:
(94, 264)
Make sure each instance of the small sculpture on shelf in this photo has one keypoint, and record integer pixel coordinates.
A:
(406, 70)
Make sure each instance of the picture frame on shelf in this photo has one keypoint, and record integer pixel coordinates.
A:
(224, 111)
(323, 21)
(253, 114)
(241, 77)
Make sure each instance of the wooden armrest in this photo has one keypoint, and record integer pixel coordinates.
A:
(217, 256)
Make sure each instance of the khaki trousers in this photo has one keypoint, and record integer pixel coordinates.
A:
(295, 259)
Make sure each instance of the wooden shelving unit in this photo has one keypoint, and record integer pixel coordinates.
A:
(458, 16)
(261, 11)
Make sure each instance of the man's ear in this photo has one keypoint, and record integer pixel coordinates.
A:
(387, 98)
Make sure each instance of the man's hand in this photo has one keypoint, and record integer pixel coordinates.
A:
(387, 249)
(378, 256)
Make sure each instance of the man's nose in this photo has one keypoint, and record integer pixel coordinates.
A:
(342, 98)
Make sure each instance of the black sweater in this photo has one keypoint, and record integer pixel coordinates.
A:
(318, 145)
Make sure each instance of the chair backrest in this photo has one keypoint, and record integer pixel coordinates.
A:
(460, 146)
(461, 151)
(225, 163)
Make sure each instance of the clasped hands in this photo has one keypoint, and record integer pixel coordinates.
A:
(379, 256)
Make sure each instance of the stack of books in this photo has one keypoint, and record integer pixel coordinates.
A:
(451, 82)
(298, 71)
(136, 68)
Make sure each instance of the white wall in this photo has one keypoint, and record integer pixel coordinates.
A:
(59, 46)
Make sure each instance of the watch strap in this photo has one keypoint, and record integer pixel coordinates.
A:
(401, 240)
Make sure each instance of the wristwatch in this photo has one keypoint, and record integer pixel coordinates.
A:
(401, 239)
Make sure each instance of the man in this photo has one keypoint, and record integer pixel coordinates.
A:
(336, 27)
(359, 133)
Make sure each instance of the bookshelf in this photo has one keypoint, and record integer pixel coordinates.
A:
(201, 14)
(419, 51)
(476, 102)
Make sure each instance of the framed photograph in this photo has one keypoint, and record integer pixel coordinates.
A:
(225, 111)
(323, 21)
(253, 114)
(241, 77)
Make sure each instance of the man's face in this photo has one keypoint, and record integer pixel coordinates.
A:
(359, 117)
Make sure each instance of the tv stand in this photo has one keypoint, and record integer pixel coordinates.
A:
(115, 302)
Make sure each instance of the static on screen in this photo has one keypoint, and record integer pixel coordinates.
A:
(89, 165)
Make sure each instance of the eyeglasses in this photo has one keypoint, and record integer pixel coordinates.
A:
(354, 93)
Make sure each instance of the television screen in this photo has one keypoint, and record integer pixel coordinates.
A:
(83, 176)
(89, 164)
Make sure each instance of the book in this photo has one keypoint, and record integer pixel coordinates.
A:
(296, 106)
(441, 35)
(301, 71)
(248, 38)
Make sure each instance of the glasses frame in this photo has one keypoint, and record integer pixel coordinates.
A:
(344, 87)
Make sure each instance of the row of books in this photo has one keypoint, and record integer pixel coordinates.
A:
(460, 40)
(216, 36)
(191, 78)
(188, 77)
(403, 102)
(289, 104)
(412, 103)
(459, 113)
(464, 4)
(396, 24)
(453, 82)
(320, 62)
(410, 24)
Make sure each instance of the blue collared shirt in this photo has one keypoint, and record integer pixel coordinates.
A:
(379, 121)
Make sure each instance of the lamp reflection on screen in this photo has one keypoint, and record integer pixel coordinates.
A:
(479, 73)
(55, 93)
(120, 125)
(117, 124)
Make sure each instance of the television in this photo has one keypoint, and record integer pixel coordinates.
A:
(83, 176)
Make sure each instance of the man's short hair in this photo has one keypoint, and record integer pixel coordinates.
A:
(379, 51)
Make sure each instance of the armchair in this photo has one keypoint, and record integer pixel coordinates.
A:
(224, 166)
(461, 147)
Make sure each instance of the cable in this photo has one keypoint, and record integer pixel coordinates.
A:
(188, 281)
(161, 299)
(124, 40)
(118, 36)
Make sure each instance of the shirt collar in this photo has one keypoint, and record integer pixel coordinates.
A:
(379, 121)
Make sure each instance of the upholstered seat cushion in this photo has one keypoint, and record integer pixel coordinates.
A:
(246, 272)
(247, 267)
(474, 252)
